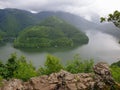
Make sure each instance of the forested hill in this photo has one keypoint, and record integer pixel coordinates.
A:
(75, 20)
(51, 32)
(12, 21)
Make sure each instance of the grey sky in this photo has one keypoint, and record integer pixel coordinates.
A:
(85, 8)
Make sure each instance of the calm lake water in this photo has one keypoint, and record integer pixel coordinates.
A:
(101, 47)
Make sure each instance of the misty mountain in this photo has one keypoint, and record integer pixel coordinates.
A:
(78, 21)
(84, 24)
(51, 32)
(13, 21)
(109, 28)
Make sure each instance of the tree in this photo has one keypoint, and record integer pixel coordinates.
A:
(78, 65)
(11, 66)
(24, 70)
(3, 70)
(17, 68)
(114, 18)
(52, 65)
(7, 70)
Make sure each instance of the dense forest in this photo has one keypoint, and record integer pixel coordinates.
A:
(12, 21)
(51, 32)
(28, 30)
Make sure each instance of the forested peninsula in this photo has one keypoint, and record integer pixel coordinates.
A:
(51, 32)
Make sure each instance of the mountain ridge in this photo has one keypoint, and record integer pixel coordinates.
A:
(14, 20)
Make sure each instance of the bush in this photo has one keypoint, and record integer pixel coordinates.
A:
(2, 69)
(18, 68)
(116, 64)
(52, 65)
(77, 65)
(24, 70)
(115, 69)
(116, 73)
(11, 66)
(6, 70)
(21, 69)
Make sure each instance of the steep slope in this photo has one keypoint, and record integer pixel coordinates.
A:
(75, 20)
(14, 20)
(51, 32)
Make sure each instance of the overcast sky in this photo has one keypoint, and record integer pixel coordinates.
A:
(84, 8)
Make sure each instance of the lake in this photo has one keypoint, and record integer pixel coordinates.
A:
(101, 47)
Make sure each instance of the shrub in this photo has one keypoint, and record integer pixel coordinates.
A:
(77, 65)
(115, 69)
(116, 73)
(11, 66)
(18, 68)
(52, 65)
(116, 64)
(24, 70)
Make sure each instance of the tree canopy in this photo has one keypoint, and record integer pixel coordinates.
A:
(51, 32)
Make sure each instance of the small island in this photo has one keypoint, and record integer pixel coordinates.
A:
(51, 32)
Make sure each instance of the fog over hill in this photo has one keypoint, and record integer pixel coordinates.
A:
(109, 28)
(13, 21)
(78, 21)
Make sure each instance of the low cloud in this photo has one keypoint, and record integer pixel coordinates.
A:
(84, 8)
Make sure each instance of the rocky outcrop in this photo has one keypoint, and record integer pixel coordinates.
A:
(13, 84)
(60, 81)
(101, 79)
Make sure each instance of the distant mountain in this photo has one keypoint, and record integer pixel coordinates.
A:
(51, 32)
(13, 20)
(78, 21)
(109, 28)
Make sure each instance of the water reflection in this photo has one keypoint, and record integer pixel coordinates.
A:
(101, 47)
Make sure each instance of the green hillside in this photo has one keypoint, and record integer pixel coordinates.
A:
(13, 20)
(51, 32)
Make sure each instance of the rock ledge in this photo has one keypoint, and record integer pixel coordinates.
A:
(101, 79)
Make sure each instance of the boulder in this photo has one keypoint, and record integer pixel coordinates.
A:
(13, 84)
(103, 77)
